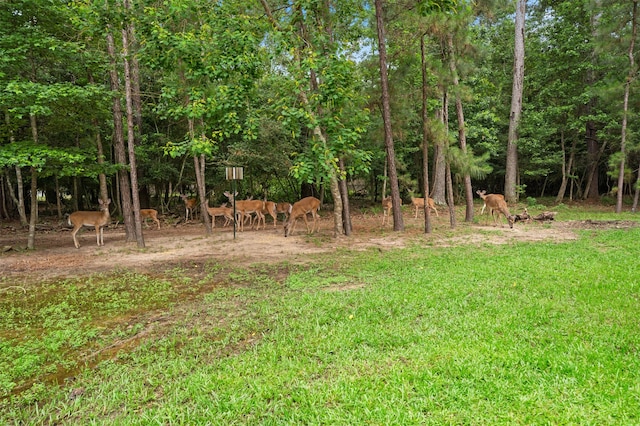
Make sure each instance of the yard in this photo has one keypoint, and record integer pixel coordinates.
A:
(482, 324)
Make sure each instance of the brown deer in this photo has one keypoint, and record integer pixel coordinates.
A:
(283, 208)
(270, 209)
(150, 214)
(97, 219)
(189, 206)
(496, 203)
(224, 211)
(245, 208)
(387, 205)
(301, 209)
(418, 203)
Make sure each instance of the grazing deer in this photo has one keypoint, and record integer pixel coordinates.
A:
(150, 214)
(284, 209)
(496, 203)
(418, 203)
(97, 219)
(301, 209)
(387, 205)
(246, 208)
(223, 210)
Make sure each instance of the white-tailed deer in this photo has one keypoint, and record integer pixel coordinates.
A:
(97, 219)
(224, 211)
(246, 208)
(418, 203)
(496, 203)
(301, 209)
(387, 205)
(270, 209)
(283, 208)
(189, 206)
(150, 214)
(483, 195)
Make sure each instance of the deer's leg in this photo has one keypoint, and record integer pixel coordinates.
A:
(73, 234)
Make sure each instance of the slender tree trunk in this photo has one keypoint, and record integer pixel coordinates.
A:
(510, 179)
(21, 207)
(4, 213)
(398, 222)
(592, 187)
(425, 138)
(567, 166)
(462, 135)
(344, 192)
(33, 219)
(625, 108)
(135, 195)
(118, 143)
(450, 199)
(58, 198)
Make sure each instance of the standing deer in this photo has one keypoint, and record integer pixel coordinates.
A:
(496, 203)
(223, 210)
(150, 214)
(387, 205)
(270, 209)
(301, 209)
(246, 208)
(97, 219)
(418, 203)
(189, 205)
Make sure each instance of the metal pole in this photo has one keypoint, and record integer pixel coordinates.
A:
(233, 191)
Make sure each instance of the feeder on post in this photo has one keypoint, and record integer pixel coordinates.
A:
(233, 174)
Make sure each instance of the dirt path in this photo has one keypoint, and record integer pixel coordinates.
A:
(170, 246)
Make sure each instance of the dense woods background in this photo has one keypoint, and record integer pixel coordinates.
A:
(141, 101)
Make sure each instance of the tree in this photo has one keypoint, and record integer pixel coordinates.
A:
(625, 105)
(398, 223)
(511, 175)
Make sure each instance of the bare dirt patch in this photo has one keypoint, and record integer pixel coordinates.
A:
(185, 244)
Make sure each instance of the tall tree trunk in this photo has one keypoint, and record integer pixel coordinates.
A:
(425, 137)
(58, 198)
(21, 207)
(511, 173)
(344, 192)
(135, 197)
(567, 167)
(4, 213)
(118, 143)
(33, 219)
(398, 222)
(462, 135)
(592, 187)
(102, 178)
(625, 107)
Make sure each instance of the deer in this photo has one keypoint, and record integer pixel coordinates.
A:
(418, 203)
(283, 208)
(270, 209)
(189, 205)
(301, 209)
(150, 214)
(223, 210)
(496, 203)
(387, 205)
(246, 208)
(97, 219)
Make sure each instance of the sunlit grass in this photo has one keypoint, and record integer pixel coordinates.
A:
(527, 333)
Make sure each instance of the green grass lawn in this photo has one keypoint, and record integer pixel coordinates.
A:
(529, 333)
